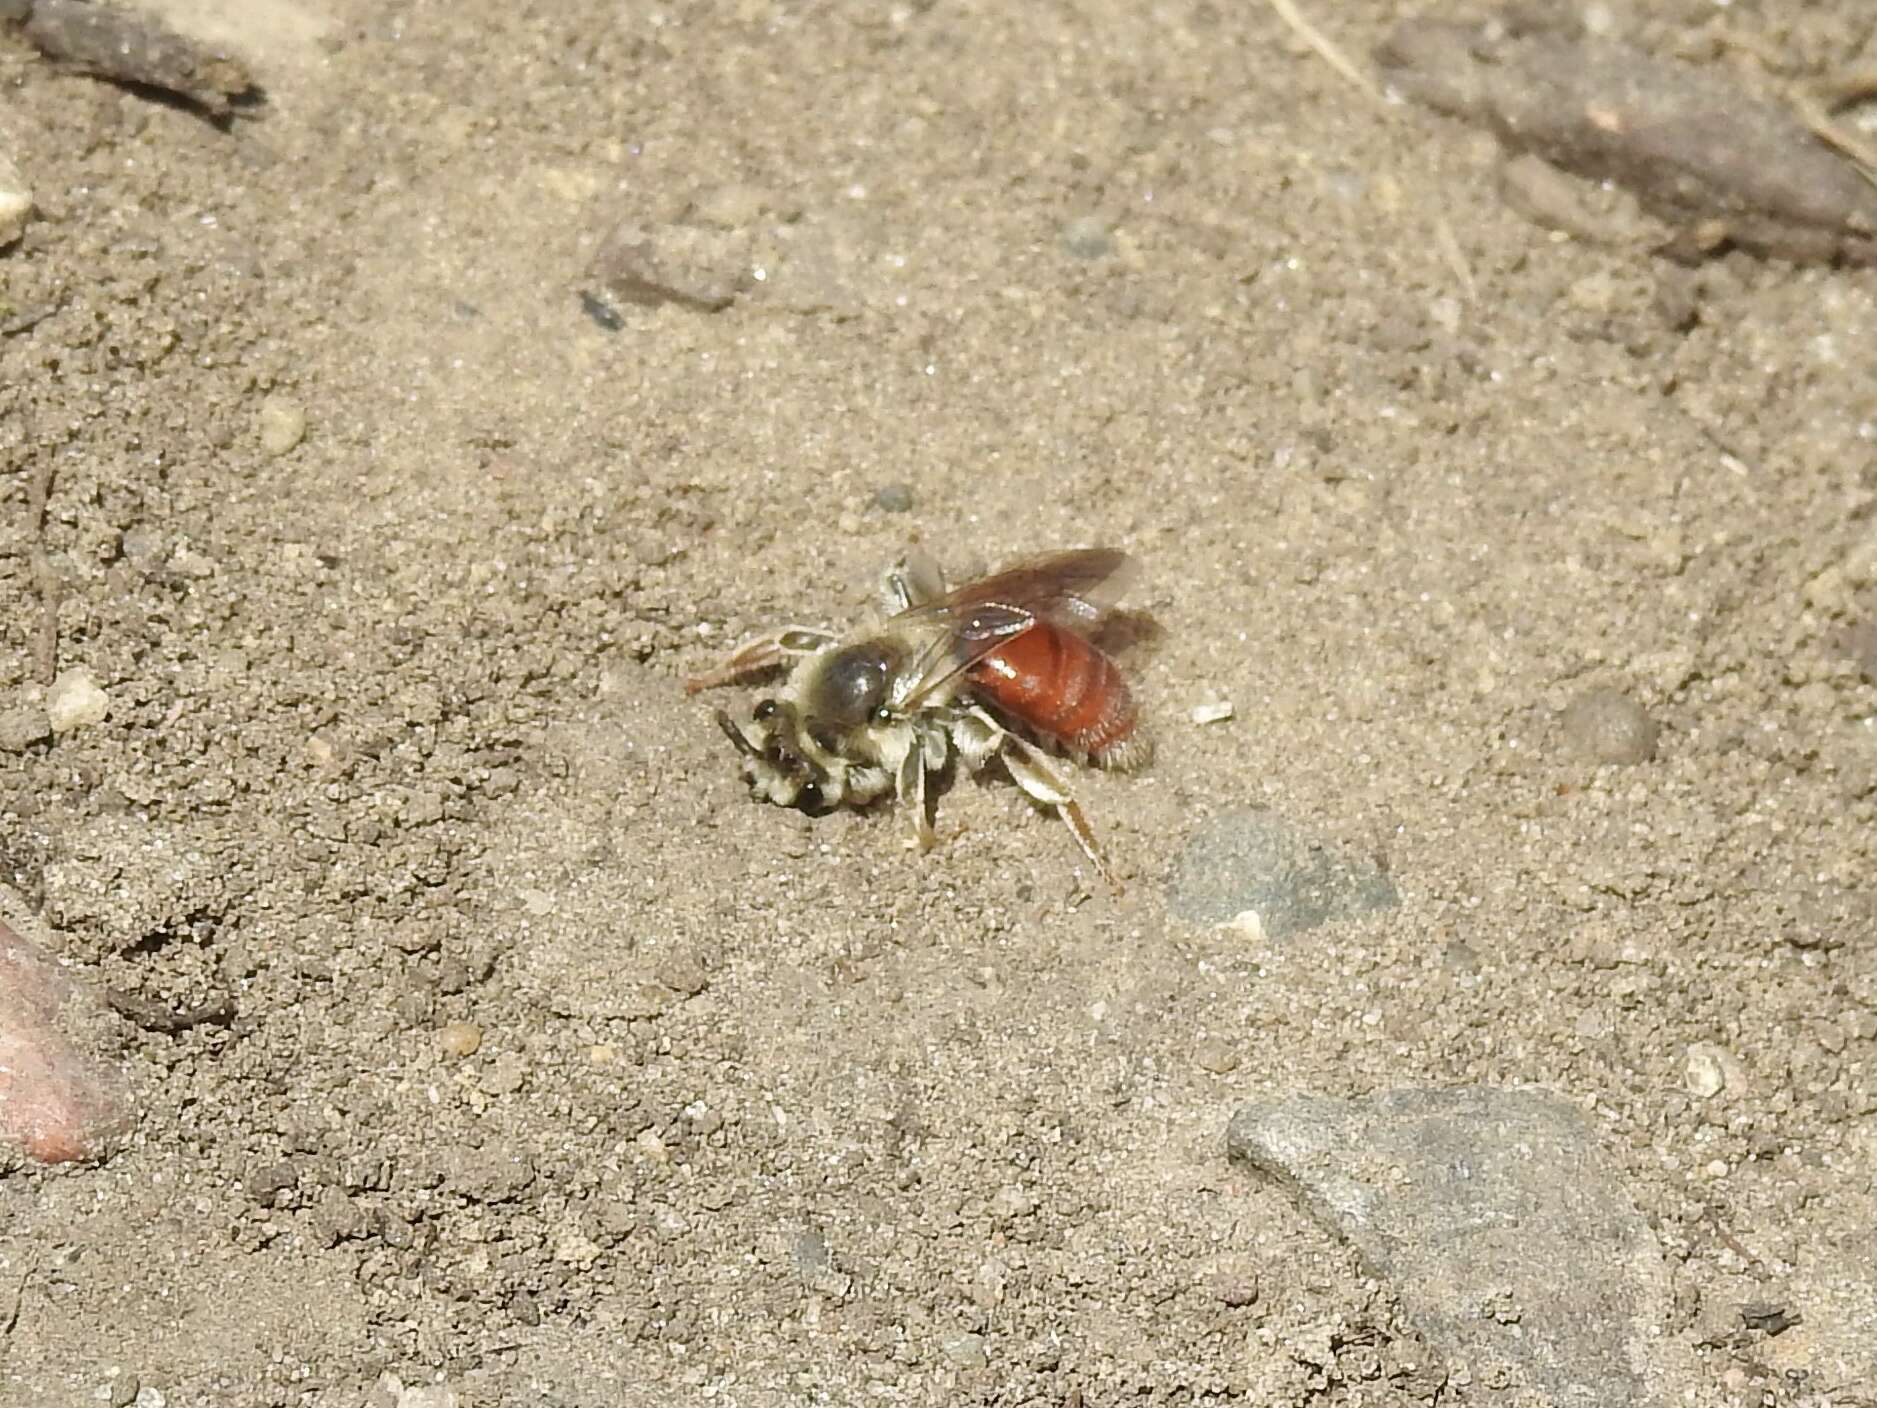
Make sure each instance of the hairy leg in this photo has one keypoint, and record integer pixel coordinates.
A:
(912, 581)
(1035, 775)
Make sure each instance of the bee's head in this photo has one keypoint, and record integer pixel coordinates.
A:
(778, 767)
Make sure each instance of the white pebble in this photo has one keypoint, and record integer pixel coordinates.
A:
(16, 202)
(1705, 1075)
(282, 424)
(1213, 710)
(75, 701)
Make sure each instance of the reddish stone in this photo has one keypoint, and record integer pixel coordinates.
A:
(56, 1104)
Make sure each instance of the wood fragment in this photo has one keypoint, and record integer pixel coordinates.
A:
(19, 1296)
(155, 1017)
(127, 46)
(45, 580)
(1326, 50)
(1722, 167)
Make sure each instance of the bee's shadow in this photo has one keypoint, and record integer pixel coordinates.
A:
(1123, 632)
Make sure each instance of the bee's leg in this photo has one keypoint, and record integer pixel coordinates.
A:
(1035, 776)
(765, 652)
(912, 581)
(911, 788)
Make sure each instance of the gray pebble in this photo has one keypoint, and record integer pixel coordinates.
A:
(1234, 1284)
(268, 1184)
(811, 1253)
(1088, 237)
(144, 549)
(1254, 861)
(1603, 726)
(1212, 1054)
(507, 1074)
(338, 1218)
(682, 973)
(1859, 645)
(21, 728)
(967, 1352)
(1508, 1235)
(486, 1175)
(893, 498)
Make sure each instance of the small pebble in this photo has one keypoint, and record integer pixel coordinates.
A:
(1603, 726)
(1705, 1075)
(1235, 1285)
(1212, 711)
(22, 727)
(266, 1185)
(16, 202)
(75, 701)
(682, 973)
(187, 562)
(148, 1397)
(460, 1039)
(508, 1075)
(1012, 1202)
(142, 548)
(1214, 1055)
(282, 424)
(967, 1352)
(423, 808)
(1088, 237)
(893, 498)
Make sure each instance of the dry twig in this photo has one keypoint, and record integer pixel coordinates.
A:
(155, 1017)
(46, 640)
(1327, 51)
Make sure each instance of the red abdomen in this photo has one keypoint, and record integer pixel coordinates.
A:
(1056, 683)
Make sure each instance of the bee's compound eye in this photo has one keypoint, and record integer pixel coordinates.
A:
(810, 798)
(883, 715)
(765, 711)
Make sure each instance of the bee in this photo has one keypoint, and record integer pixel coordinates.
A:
(999, 668)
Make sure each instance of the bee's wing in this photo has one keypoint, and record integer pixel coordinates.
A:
(1075, 588)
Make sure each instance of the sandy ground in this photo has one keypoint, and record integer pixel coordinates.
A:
(764, 1110)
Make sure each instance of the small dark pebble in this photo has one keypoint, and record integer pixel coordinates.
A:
(1768, 1319)
(337, 1219)
(893, 498)
(266, 1185)
(682, 973)
(1603, 726)
(394, 1231)
(601, 312)
(1235, 1287)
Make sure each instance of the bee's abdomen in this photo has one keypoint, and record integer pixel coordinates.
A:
(1059, 685)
